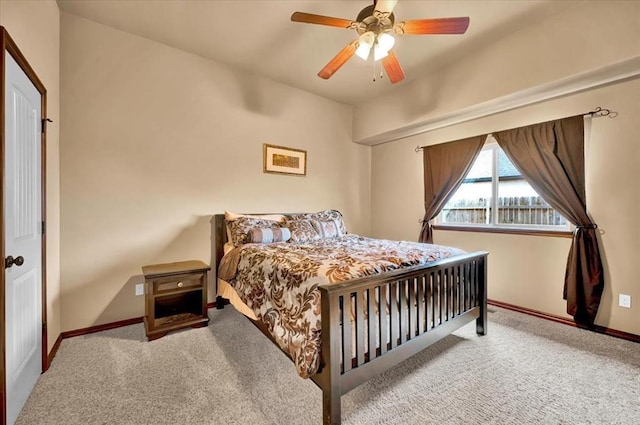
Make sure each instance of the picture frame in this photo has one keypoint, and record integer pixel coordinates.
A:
(284, 160)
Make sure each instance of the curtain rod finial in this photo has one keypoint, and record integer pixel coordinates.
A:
(602, 112)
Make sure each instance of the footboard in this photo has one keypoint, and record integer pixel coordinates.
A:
(373, 323)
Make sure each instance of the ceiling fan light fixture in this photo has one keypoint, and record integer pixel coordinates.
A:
(386, 41)
(365, 42)
(363, 51)
(379, 52)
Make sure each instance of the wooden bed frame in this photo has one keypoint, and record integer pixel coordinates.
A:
(426, 303)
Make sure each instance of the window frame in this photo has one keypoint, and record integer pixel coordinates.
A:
(494, 226)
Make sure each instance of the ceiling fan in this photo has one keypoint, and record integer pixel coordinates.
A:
(375, 25)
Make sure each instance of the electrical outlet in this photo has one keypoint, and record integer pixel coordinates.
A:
(624, 300)
(140, 289)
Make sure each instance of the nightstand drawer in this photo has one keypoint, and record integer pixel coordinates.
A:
(175, 283)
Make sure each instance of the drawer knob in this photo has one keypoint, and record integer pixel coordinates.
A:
(179, 284)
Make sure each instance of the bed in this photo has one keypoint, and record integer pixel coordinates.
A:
(368, 323)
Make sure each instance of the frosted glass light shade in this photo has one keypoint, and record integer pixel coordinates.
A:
(386, 41)
(364, 45)
(363, 51)
(379, 52)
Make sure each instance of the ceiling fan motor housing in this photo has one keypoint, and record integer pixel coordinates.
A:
(371, 20)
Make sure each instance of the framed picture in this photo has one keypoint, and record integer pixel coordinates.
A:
(282, 160)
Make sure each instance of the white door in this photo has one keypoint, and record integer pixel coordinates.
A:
(22, 232)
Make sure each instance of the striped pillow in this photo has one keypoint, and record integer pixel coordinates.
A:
(269, 235)
(241, 228)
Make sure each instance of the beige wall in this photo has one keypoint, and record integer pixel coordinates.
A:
(156, 140)
(42, 50)
(529, 270)
(583, 36)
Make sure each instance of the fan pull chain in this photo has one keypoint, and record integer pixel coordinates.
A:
(374, 71)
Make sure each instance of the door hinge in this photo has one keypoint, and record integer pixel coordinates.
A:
(44, 124)
(43, 227)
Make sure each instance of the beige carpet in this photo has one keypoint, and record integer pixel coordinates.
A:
(525, 371)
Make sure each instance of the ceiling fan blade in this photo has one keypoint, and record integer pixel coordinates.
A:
(393, 68)
(340, 59)
(310, 18)
(385, 6)
(433, 26)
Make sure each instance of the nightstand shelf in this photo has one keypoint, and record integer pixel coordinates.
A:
(175, 297)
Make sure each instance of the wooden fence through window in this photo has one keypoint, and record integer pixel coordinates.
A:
(529, 210)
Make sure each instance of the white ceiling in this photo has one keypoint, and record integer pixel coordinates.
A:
(258, 36)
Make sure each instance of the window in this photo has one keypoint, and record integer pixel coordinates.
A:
(494, 194)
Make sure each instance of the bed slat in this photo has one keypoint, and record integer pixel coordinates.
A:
(347, 350)
(447, 294)
(439, 299)
(393, 317)
(372, 318)
(467, 280)
(404, 310)
(360, 309)
(459, 273)
(454, 292)
(431, 299)
(422, 305)
(413, 308)
(384, 322)
(473, 284)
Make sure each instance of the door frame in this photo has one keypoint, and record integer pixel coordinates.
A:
(8, 45)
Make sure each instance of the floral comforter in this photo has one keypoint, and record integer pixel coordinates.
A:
(279, 282)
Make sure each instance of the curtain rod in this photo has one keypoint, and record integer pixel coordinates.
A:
(598, 112)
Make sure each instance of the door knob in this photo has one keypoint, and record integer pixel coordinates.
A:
(10, 261)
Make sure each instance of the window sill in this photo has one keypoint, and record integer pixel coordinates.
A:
(503, 230)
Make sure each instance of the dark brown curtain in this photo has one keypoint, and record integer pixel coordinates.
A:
(445, 166)
(550, 156)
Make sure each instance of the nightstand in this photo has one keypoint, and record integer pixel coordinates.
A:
(175, 297)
